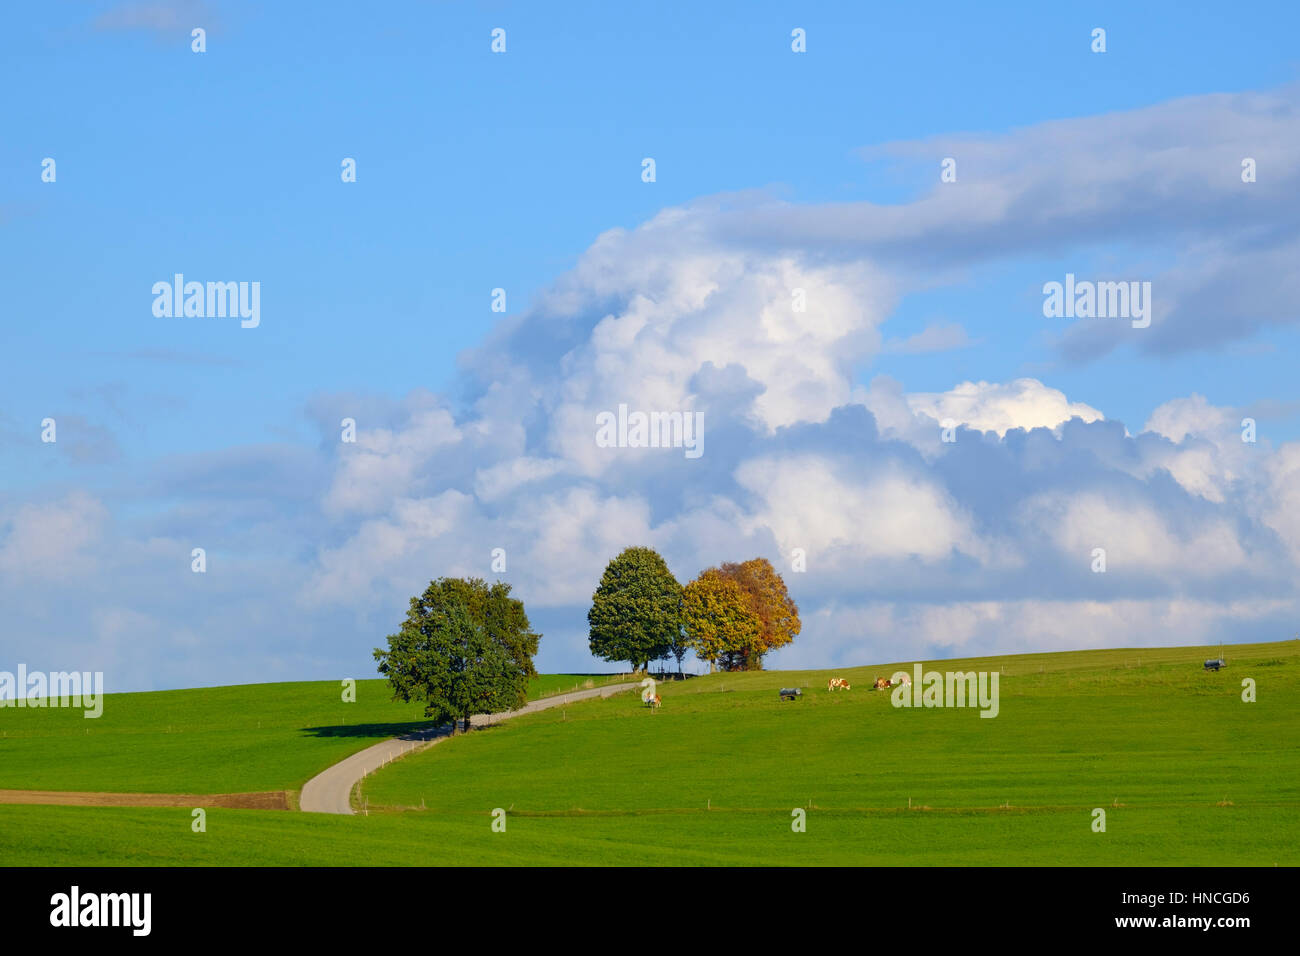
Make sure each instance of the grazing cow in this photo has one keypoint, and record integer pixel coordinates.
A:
(838, 682)
(656, 700)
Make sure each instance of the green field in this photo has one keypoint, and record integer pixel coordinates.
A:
(1187, 772)
(240, 739)
(90, 836)
(548, 685)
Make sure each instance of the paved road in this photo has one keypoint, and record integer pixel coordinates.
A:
(331, 790)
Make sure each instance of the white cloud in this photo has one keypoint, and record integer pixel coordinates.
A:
(1207, 455)
(385, 463)
(807, 502)
(1281, 508)
(1134, 535)
(504, 477)
(695, 310)
(1178, 418)
(56, 539)
(1024, 403)
(391, 545)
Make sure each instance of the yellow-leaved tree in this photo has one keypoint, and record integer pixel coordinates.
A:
(770, 602)
(717, 616)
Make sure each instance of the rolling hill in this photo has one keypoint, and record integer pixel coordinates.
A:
(1186, 771)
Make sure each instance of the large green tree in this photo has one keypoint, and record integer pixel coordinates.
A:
(462, 649)
(500, 615)
(636, 612)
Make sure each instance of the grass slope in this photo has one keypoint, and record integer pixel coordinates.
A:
(549, 685)
(1074, 729)
(239, 739)
(91, 836)
(1145, 734)
(1188, 774)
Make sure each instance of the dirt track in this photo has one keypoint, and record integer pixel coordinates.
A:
(272, 800)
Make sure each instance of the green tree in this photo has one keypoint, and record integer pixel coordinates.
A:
(636, 612)
(717, 617)
(500, 615)
(447, 655)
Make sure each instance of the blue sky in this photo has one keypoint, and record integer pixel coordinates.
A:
(479, 170)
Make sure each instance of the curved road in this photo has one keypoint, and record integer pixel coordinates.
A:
(330, 791)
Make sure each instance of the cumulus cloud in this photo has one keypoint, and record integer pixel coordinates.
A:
(763, 317)
(1165, 178)
(1204, 453)
(383, 463)
(1134, 535)
(1281, 500)
(1024, 403)
(808, 502)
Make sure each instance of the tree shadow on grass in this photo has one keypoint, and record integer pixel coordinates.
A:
(411, 728)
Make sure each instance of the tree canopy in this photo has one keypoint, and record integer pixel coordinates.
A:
(737, 613)
(465, 648)
(636, 612)
(771, 603)
(500, 615)
(717, 617)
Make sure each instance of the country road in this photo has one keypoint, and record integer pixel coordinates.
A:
(330, 791)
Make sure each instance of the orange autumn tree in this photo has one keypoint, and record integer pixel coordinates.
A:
(735, 614)
(718, 618)
(769, 601)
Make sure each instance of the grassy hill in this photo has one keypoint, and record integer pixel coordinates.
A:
(1187, 772)
(1087, 728)
(238, 739)
(91, 836)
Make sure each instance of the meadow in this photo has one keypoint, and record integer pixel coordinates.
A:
(1186, 771)
(93, 836)
(234, 739)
